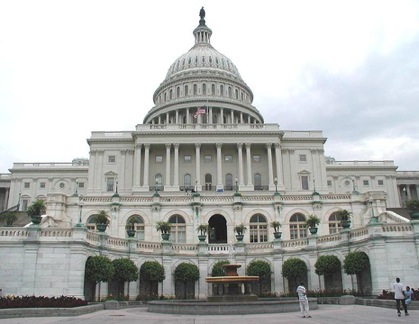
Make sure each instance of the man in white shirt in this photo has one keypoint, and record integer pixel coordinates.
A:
(399, 297)
(302, 298)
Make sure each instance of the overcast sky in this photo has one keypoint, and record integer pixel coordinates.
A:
(348, 68)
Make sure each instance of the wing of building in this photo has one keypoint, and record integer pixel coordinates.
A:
(205, 155)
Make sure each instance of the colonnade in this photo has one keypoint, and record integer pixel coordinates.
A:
(142, 156)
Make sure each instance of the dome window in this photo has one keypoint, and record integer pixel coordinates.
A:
(203, 59)
(196, 59)
(216, 60)
(183, 63)
(190, 61)
(210, 59)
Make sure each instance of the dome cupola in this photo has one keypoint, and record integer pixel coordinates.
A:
(203, 77)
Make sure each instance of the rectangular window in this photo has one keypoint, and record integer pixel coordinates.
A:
(304, 182)
(187, 159)
(366, 182)
(27, 185)
(303, 158)
(256, 158)
(381, 182)
(109, 184)
(159, 158)
(329, 183)
(25, 203)
(111, 159)
(228, 158)
(81, 184)
(208, 158)
(42, 185)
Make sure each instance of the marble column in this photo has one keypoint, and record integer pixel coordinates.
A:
(219, 168)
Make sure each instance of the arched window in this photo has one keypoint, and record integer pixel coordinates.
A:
(165, 96)
(138, 222)
(195, 89)
(178, 230)
(91, 224)
(335, 224)
(204, 89)
(186, 90)
(208, 182)
(171, 94)
(230, 93)
(213, 89)
(237, 94)
(257, 178)
(258, 229)
(187, 181)
(221, 90)
(229, 182)
(158, 180)
(298, 228)
(177, 92)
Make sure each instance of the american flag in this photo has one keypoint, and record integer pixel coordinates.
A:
(199, 111)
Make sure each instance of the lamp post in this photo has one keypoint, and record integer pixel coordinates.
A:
(276, 187)
(374, 219)
(80, 224)
(237, 186)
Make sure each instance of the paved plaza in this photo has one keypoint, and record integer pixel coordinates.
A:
(325, 314)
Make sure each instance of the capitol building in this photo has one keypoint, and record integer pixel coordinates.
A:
(205, 155)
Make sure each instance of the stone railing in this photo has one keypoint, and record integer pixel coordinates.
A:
(221, 248)
(104, 241)
(15, 232)
(291, 244)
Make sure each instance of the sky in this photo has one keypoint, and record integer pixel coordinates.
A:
(347, 68)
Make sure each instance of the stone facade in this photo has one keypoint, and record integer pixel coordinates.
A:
(204, 155)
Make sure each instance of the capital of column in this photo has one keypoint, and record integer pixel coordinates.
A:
(268, 145)
(138, 145)
(239, 145)
(176, 145)
(197, 145)
(218, 145)
(168, 145)
(147, 145)
(248, 145)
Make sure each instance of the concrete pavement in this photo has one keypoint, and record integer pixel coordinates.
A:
(325, 314)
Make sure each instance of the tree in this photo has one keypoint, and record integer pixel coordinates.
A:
(295, 270)
(328, 265)
(357, 263)
(99, 268)
(186, 273)
(151, 273)
(262, 269)
(217, 269)
(125, 271)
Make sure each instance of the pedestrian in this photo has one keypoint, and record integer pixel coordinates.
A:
(408, 293)
(399, 297)
(302, 298)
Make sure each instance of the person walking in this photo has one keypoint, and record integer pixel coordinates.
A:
(399, 297)
(302, 298)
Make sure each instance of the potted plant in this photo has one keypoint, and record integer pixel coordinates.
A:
(9, 217)
(345, 217)
(240, 230)
(312, 222)
(35, 211)
(164, 228)
(130, 227)
(101, 221)
(277, 229)
(202, 229)
(413, 206)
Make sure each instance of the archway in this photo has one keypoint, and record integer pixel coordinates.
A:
(217, 229)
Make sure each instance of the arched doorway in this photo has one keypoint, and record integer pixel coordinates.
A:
(217, 229)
